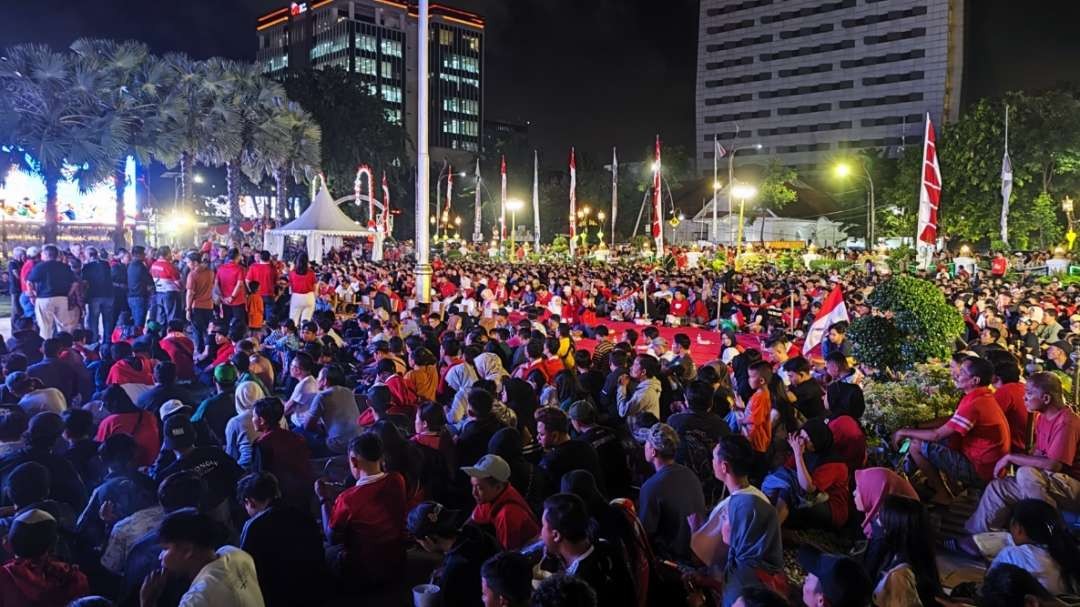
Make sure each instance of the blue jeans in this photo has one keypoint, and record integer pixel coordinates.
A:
(139, 307)
(27, 307)
(167, 306)
(100, 308)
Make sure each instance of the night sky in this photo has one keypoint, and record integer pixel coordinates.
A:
(592, 73)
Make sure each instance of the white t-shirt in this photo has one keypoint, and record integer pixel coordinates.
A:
(229, 579)
(303, 393)
(44, 400)
(1036, 560)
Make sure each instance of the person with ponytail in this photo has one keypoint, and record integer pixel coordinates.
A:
(1043, 545)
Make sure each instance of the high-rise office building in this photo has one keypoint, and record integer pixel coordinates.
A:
(377, 39)
(808, 79)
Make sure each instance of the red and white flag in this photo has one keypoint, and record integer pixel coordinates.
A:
(502, 202)
(929, 190)
(573, 202)
(449, 196)
(833, 310)
(386, 205)
(658, 205)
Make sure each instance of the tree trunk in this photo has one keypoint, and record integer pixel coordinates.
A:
(232, 194)
(52, 206)
(281, 194)
(763, 214)
(187, 169)
(120, 181)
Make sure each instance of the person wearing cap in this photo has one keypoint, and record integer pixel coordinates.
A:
(42, 434)
(602, 565)
(218, 409)
(33, 396)
(35, 576)
(498, 503)
(833, 580)
(99, 295)
(25, 339)
(465, 548)
(561, 452)
(978, 427)
(506, 580)
(669, 496)
(609, 450)
(1058, 359)
(290, 578)
(365, 523)
(190, 549)
(50, 286)
(211, 463)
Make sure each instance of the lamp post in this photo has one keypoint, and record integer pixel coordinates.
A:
(423, 168)
(600, 233)
(742, 192)
(843, 170)
(731, 179)
(513, 205)
(1067, 206)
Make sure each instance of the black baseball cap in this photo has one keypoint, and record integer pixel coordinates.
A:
(842, 580)
(179, 432)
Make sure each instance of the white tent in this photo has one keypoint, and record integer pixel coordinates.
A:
(324, 225)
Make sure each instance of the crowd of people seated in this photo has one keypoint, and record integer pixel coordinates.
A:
(239, 437)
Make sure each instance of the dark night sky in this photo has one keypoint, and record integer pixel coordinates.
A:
(590, 73)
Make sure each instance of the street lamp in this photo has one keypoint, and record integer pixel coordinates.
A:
(845, 170)
(600, 232)
(1067, 206)
(731, 182)
(742, 192)
(513, 205)
(199, 178)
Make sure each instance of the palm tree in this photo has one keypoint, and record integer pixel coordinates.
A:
(288, 144)
(59, 122)
(199, 123)
(253, 99)
(134, 84)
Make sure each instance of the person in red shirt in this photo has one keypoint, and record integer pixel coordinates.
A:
(230, 282)
(534, 353)
(264, 273)
(977, 428)
(553, 364)
(755, 422)
(281, 452)
(125, 418)
(167, 305)
(302, 287)
(129, 369)
(365, 524)
(451, 357)
(180, 350)
(1009, 394)
(499, 505)
(817, 470)
(1051, 473)
(999, 265)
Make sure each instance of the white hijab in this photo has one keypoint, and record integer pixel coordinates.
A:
(489, 366)
(247, 394)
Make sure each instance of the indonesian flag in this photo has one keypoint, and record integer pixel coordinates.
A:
(833, 310)
(502, 202)
(929, 190)
(658, 206)
(573, 202)
(386, 204)
(449, 196)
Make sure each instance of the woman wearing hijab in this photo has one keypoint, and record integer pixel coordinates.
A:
(459, 379)
(812, 489)
(872, 486)
(529, 479)
(240, 432)
(489, 366)
(844, 405)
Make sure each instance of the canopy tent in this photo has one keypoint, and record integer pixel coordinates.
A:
(324, 225)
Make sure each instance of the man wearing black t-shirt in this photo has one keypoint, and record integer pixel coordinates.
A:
(563, 454)
(210, 463)
(804, 388)
(608, 447)
(51, 282)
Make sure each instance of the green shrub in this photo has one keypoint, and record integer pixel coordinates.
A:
(827, 265)
(561, 244)
(920, 395)
(876, 342)
(924, 325)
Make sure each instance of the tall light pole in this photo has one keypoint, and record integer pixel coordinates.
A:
(844, 170)
(731, 179)
(1067, 206)
(742, 192)
(513, 205)
(423, 158)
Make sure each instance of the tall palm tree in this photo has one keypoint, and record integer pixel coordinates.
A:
(133, 85)
(199, 123)
(253, 99)
(286, 145)
(59, 122)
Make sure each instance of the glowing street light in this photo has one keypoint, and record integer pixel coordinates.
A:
(198, 178)
(844, 170)
(513, 205)
(742, 192)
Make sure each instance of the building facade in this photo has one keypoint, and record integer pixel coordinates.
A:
(810, 79)
(377, 39)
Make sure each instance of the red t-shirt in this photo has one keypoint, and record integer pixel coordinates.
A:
(265, 275)
(123, 372)
(144, 431)
(1057, 439)
(447, 289)
(515, 525)
(679, 307)
(1010, 397)
(301, 284)
(369, 520)
(757, 414)
(998, 266)
(224, 354)
(228, 276)
(832, 479)
(166, 276)
(983, 430)
(552, 367)
(181, 351)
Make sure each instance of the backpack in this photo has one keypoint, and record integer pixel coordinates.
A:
(695, 452)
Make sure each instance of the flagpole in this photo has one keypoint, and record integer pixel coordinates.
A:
(573, 203)
(478, 219)
(614, 192)
(423, 170)
(658, 206)
(502, 204)
(1006, 184)
(715, 236)
(536, 200)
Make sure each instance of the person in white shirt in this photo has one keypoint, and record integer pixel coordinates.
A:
(302, 368)
(33, 397)
(222, 576)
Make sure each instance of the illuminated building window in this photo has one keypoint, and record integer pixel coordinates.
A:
(446, 37)
(387, 69)
(366, 43)
(364, 65)
(391, 94)
(391, 47)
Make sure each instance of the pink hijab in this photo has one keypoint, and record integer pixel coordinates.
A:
(874, 485)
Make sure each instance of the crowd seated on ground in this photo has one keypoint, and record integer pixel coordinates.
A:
(237, 431)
